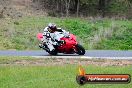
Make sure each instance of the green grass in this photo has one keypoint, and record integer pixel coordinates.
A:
(55, 76)
(21, 33)
(120, 40)
(6, 59)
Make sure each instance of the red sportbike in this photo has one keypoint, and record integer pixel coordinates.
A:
(70, 46)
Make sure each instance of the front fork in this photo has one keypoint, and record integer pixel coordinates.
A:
(75, 48)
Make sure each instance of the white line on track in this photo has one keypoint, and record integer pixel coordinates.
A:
(82, 57)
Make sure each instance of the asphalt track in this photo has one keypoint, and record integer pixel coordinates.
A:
(114, 54)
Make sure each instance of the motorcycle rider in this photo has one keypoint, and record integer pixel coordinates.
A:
(49, 35)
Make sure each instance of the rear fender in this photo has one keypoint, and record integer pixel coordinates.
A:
(40, 36)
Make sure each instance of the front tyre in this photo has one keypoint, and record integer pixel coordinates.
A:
(80, 50)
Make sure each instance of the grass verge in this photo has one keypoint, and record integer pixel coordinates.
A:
(93, 33)
(56, 76)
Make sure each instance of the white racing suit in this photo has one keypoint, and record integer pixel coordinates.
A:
(51, 39)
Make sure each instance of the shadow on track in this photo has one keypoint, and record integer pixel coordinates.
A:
(61, 55)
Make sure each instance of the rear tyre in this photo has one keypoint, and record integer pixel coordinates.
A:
(80, 49)
(53, 52)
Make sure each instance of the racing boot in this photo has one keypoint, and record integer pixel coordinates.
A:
(40, 45)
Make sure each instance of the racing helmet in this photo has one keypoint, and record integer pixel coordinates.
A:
(52, 27)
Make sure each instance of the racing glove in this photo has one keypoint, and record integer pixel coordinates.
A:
(60, 42)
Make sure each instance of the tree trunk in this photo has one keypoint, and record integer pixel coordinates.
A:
(61, 8)
(67, 7)
(57, 5)
(102, 7)
(78, 3)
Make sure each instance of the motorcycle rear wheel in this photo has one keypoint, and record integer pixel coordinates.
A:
(53, 52)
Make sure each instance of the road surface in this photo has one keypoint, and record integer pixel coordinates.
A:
(89, 53)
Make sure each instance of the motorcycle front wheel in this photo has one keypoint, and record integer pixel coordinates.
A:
(80, 50)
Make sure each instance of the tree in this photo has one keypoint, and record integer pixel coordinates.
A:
(102, 7)
(67, 5)
(77, 3)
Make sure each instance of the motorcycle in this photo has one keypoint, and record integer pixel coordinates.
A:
(69, 46)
